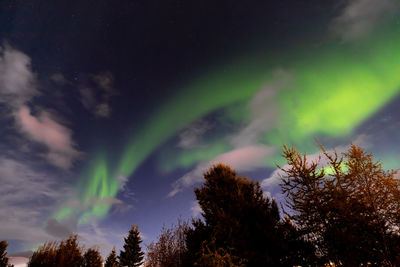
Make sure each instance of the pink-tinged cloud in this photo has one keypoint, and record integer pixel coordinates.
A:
(17, 81)
(45, 130)
(245, 158)
(241, 159)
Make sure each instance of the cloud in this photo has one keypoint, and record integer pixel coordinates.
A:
(56, 229)
(102, 110)
(46, 130)
(96, 98)
(191, 136)
(361, 17)
(196, 209)
(17, 81)
(26, 196)
(58, 78)
(18, 87)
(93, 234)
(19, 261)
(105, 81)
(264, 111)
(241, 159)
(248, 153)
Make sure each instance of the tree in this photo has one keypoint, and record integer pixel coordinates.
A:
(45, 255)
(112, 260)
(349, 209)
(242, 222)
(3, 254)
(170, 249)
(69, 253)
(132, 254)
(92, 258)
(216, 257)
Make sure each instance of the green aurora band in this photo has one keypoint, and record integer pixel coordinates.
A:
(335, 88)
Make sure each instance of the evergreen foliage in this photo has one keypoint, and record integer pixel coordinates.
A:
(51, 254)
(69, 253)
(239, 219)
(112, 260)
(92, 258)
(45, 255)
(132, 254)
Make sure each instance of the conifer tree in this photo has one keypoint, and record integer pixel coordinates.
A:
(348, 207)
(69, 253)
(45, 255)
(92, 258)
(132, 254)
(112, 260)
(243, 224)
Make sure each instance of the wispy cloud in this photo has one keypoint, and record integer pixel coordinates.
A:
(105, 239)
(18, 87)
(191, 136)
(196, 209)
(242, 159)
(248, 152)
(264, 111)
(46, 130)
(58, 78)
(361, 17)
(17, 81)
(28, 196)
(96, 98)
(23, 188)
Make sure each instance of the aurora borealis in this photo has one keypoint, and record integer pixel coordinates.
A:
(365, 76)
(147, 108)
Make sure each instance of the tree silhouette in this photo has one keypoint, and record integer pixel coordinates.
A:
(132, 254)
(112, 260)
(45, 255)
(170, 249)
(348, 208)
(238, 218)
(216, 257)
(69, 253)
(3, 254)
(92, 258)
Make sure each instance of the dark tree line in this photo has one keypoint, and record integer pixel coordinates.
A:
(68, 253)
(340, 210)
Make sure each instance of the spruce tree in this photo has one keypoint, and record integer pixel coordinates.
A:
(69, 253)
(112, 260)
(92, 258)
(132, 254)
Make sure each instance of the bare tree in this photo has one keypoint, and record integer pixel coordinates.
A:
(170, 247)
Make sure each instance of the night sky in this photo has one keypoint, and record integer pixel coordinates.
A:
(110, 111)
